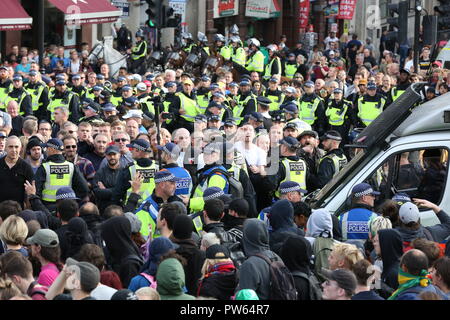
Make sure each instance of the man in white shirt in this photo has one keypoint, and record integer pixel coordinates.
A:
(331, 38)
(256, 157)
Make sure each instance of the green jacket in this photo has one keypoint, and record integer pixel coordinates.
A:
(171, 280)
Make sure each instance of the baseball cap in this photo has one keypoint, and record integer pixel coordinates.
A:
(409, 212)
(364, 189)
(273, 80)
(60, 76)
(112, 149)
(93, 106)
(337, 90)
(126, 88)
(124, 294)
(135, 222)
(147, 83)
(263, 100)
(150, 77)
(213, 193)
(97, 88)
(371, 86)
(105, 94)
(332, 134)
(345, 279)
(438, 63)
(331, 52)
(245, 82)
(45, 238)
(34, 73)
(233, 84)
(309, 83)
(170, 148)
(290, 125)
(291, 55)
(290, 186)
(289, 141)
(54, 143)
(218, 95)
(165, 175)
(230, 122)
(206, 78)
(311, 133)
(170, 84)
(140, 144)
(363, 81)
(130, 101)
(121, 78)
(201, 117)
(257, 116)
(17, 77)
(290, 90)
(141, 86)
(74, 77)
(134, 113)
(404, 70)
(215, 104)
(4, 68)
(89, 274)
(66, 193)
(278, 116)
(188, 81)
(214, 86)
(100, 77)
(217, 251)
(136, 77)
(213, 117)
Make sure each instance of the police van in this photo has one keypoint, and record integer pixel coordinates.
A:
(391, 155)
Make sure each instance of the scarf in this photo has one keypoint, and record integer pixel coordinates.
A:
(406, 281)
(222, 267)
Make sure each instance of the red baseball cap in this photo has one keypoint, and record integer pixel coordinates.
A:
(147, 83)
(438, 63)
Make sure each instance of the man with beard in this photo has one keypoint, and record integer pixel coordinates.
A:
(101, 141)
(84, 165)
(34, 154)
(105, 178)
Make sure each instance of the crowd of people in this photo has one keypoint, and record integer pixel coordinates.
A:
(174, 187)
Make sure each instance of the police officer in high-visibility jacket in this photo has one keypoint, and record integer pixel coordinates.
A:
(290, 66)
(238, 54)
(20, 95)
(142, 165)
(57, 172)
(202, 47)
(339, 113)
(275, 95)
(209, 176)
(203, 96)
(220, 47)
(334, 160)
(169, 155)
(354, 224)
(39, 94)
(255, 59)
(138, 52)
(246, 103)
(369, 106)
(5, 86)
(147, 211)
(77, 86)
(187, 41)
(274, 66)
(184, 107)
(311, 108)
(403, 84)
(64, 98)
(291, 168)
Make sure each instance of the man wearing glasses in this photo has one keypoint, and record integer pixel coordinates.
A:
(70, 154)
(120, 139)
(45, 129)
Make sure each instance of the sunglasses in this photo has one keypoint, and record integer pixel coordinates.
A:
(71, 131)
(121, 140)
(71, 147)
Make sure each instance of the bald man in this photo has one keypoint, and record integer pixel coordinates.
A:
(14, 171)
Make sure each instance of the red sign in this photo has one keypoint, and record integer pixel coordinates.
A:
(346, 9)
(303, 14)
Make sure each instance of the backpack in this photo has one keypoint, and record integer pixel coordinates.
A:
(282, 285)
(314, 286)
(236, 253)
(321, 249)
(235, 186)
(429, 236)
(150, 279)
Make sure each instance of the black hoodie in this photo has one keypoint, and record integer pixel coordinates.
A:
(296, 253)
(391, 246)
(122, 254)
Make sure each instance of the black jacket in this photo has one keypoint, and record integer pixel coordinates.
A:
(326, 168)
(79, 184)
(391, 246)
(219, 285)
(13, 180)
(26, 105)
(108, 177)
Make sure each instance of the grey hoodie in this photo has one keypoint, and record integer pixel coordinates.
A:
(254, 272)
(320, 221)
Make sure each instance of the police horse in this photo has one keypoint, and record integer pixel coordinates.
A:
(105, 52)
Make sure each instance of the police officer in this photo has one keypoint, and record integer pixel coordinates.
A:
(339, 113)
(39, 95)
(211, 175)
(311, 108)
(292, 117)
(141, 166)
(188, 42)
(203, 96)
(263, 108)
(145, 102)
(77, 86)
(91, 112)
(21, 96)
(274, 65)
(403, 84)
(255, 59)
(274, 94)
(290, 66)
(147, 212)
(334, 160)
(116, 97)
(57, 172)
(369, 106)
(138, 52)
(354, 224)
(169, 155)
(256, 120)
(64, 98)
(238, 55)
(291, 168)
(246, 103)
(184, 106)
(5, 86)
(220, 47)
(202, 47)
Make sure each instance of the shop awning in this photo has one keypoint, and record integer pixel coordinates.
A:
(13, 16)
(87, 11)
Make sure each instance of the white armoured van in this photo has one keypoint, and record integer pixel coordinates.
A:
(401, 128)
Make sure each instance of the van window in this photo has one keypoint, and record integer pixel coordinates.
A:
(418, 173)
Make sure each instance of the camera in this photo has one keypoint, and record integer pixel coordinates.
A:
(167, 116)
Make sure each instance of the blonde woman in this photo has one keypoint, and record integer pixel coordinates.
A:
(13, 232)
